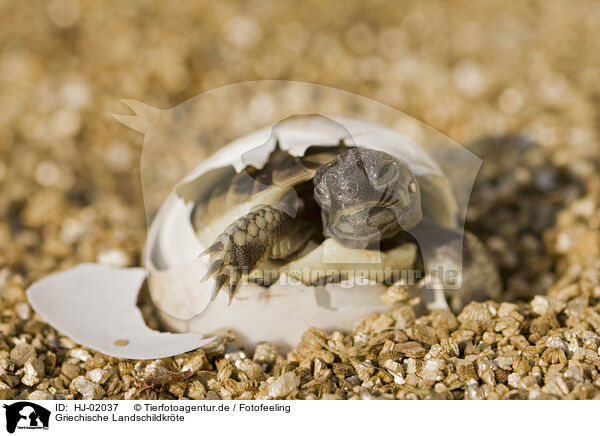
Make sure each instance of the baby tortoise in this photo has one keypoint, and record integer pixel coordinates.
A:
(357, 198)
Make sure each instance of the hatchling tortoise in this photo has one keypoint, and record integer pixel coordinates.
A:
(353, 200)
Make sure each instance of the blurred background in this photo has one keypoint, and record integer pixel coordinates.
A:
(516, 82)
(69, 173)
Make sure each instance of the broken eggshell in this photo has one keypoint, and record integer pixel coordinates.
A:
(283, 311)
(95, 305)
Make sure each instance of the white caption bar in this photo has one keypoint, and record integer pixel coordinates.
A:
(294, 417)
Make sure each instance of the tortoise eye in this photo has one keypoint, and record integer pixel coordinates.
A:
(321, 193)
(387, 173)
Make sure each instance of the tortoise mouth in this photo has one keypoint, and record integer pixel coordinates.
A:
(359, 228)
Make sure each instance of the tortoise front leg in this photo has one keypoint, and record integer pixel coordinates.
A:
(266, 232)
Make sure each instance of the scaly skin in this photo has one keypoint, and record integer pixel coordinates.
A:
(266, 232)
(364, 196)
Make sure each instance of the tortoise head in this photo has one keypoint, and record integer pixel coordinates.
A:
(366, 195)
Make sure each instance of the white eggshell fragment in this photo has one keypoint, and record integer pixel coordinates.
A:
(95, 305)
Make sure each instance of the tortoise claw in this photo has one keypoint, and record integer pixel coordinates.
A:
(224, 266)
(228, 276)
(212, 269)
(219, 283)
(233, 284)
(214, 248)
